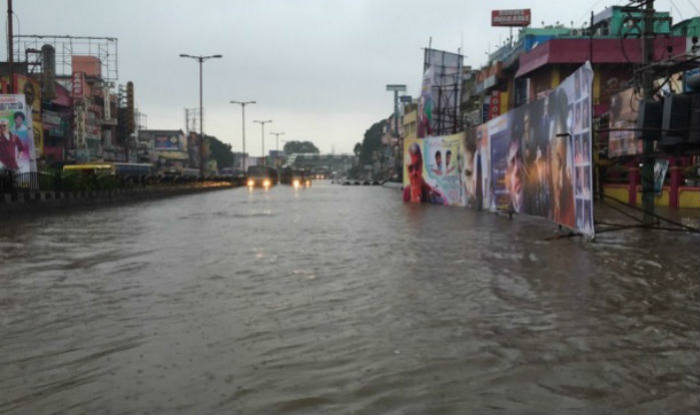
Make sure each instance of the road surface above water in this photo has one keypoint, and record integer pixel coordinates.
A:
(340, 299)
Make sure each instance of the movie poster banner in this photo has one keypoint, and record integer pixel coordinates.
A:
(432, 168)
(16, 136)
(536, 159)
(624, 110)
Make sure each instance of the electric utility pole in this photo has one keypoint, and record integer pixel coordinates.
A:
(648, 87)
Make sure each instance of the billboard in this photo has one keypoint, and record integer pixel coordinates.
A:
(432, 169)
(541, 156)
(535, 159)
(32, 98)
(439, 110)
(167, 142)
(513, 17)
(16, 135)
(624, 110)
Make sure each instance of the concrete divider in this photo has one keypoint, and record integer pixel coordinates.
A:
(42, 201)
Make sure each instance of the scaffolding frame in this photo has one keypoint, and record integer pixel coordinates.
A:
(106, 49)
(448, 71)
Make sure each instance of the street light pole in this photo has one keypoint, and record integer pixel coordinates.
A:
(10, 52)
(262, 125)
(396, 88)
(201, 60)
(648, 87)
(243, 104)
(277, 136)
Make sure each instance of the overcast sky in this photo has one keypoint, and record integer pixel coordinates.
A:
(317, 68)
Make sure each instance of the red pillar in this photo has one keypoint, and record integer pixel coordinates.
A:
(673, 196)
(634, 181)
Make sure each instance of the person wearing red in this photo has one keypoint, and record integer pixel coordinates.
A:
(10, 146)
(418, 190)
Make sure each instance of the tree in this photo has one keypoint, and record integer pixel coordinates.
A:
(357, 150)
(219, 151)
(372, 142)
(291, 147)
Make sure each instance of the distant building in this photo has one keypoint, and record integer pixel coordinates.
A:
(321, 163)
(167, 149)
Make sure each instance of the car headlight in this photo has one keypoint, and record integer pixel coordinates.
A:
(251, 183)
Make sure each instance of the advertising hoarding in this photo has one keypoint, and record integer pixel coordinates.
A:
(168, 142)
(535, 159)
(17, 151)
(541, 156)
(513, 17)
(624, 110)
(439, 109)
(432, 169)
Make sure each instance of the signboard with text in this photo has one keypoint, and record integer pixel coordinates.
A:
(78, 85)
(513, 17)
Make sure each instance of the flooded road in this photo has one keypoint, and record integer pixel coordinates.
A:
(337, 300)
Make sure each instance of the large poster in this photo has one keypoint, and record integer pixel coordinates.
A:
(32, 98)
(476, 176)
(535, 159)
(432, 168)
(540, 156)
(624, 109)
(16, 135)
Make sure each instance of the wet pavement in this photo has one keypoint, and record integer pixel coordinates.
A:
(340, 299)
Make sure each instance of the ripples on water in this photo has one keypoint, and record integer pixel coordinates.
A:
(340, 299)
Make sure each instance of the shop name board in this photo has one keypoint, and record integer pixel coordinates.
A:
(494, 105)
(513, 17)
(51, 119)
(78, 85)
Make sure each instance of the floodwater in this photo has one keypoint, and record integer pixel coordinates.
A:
(340, 299)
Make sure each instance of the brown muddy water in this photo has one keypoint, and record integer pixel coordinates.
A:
(340, 299)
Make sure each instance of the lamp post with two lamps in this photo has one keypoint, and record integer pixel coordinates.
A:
(201, 60)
